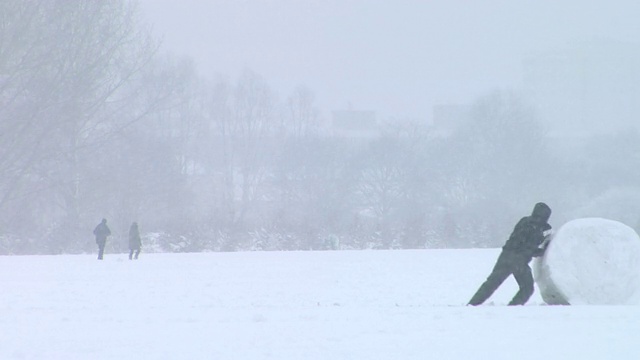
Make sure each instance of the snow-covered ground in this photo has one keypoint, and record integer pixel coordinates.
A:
(291, 305)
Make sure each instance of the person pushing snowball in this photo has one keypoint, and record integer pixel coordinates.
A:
(529, 239)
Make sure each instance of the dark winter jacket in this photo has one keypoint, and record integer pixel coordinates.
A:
(134, 237)
(102, 231)
(528, 234)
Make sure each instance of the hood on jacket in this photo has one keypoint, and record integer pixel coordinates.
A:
(541, 211)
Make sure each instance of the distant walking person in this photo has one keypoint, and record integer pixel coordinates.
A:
(134, 241)
(529, 239)
(101, 232)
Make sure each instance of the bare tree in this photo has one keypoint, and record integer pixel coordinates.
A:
(66, 91)
(493, 166)
(302, 116)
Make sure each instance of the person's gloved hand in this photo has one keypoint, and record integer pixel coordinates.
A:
(548, 236)
(539, 251)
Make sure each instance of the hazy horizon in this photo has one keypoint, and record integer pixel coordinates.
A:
(97, 123)
(398, 59)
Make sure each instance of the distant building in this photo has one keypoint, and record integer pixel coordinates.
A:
(354, 124)
(586, 88)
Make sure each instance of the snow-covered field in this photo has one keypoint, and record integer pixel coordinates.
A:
(290, 305)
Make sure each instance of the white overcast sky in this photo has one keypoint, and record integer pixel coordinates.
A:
(397, 57)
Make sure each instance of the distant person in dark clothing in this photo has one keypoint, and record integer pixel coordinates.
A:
(529, 239)
(134, 241)
(101, 232)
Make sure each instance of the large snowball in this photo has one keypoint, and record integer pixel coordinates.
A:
(590, 261)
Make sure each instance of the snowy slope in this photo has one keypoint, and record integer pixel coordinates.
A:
(291, 305)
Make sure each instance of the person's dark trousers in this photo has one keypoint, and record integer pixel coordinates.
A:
(508, 263)
(131, 256)
(524, 278)
(101, 249)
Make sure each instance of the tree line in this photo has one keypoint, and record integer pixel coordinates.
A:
(97, 121)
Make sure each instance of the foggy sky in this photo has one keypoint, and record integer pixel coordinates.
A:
(398, 58)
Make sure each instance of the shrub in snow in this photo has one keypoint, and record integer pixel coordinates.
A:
(590, 261)
(159, 242)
